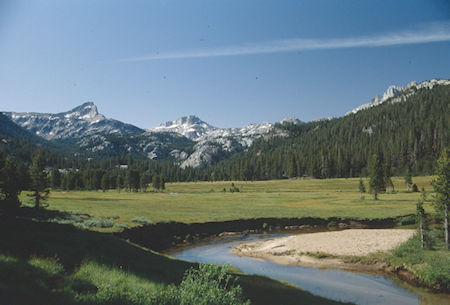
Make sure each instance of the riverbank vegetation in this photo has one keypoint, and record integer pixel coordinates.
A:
(431, 266)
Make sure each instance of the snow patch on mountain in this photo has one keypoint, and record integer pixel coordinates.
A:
(395, 94)
(81, 121)
(212, 144)
(189, 126)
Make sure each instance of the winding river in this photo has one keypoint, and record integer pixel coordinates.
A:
(358, 288)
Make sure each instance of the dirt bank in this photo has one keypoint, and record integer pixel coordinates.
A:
(162, 236)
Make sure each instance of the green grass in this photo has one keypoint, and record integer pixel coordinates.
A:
(49, 263)
(61, 264)
(205, 201)
(430, 266)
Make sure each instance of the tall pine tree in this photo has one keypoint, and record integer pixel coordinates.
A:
(441, 189)
(377, 181)
(39, 181)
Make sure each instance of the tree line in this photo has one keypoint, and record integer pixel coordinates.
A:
(406, 136)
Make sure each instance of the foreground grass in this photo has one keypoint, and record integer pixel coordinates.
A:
(206, 201)
(48, 263)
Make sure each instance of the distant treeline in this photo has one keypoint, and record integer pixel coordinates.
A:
(406, 136)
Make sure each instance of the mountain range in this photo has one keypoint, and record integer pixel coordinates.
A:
(189, 141)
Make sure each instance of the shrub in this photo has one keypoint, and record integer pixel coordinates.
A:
(411, 251)
(406, 220)
(142, 220)
(332, 224)
(100, 223)
(207, 285)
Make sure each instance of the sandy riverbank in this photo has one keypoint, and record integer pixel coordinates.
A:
(294, 250)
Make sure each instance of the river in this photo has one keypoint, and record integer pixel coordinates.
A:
(358, 288)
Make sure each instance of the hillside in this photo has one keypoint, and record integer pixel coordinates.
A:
(408, 131)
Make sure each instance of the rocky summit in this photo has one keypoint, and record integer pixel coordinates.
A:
(395, 94)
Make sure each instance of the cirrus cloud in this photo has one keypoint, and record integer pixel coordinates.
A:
(434, 33)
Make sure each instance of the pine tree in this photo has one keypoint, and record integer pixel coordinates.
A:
(362, 188)
(421, 218)
(11, 184)
(55, 178)
(377, 181)
(162, 183)
(105, 182)
(39, 181)
(119, 182)
(441, 189)
(145, 179)
(155, 182)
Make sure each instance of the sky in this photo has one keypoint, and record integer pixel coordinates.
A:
(230, 62)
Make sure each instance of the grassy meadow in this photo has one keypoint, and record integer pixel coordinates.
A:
(206, 201)
(61, 264)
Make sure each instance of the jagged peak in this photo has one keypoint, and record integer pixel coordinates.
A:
(86, 111)
(291, 120)
(392, 91)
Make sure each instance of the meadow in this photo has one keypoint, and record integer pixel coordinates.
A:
(207, 201)
(62, 264)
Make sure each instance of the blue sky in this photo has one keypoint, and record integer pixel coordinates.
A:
(231, 62)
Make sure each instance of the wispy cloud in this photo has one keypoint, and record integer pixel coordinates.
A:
(435, 33)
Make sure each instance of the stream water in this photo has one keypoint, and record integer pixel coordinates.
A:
(358, 288)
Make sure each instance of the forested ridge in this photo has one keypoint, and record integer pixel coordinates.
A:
(407, 136)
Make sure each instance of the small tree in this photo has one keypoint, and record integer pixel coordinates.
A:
(421, 220)
(119, 182)
(441, 189)
(39, 181)
(408, 180)
(377, 181)
(105, 182)
(144, 181)
(362, 188)
(156, 182)
(55, 178)
(162, 183)
(132, 180)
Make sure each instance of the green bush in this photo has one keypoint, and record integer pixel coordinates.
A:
(407, 220)
(410, 252)
(332, 224)
(142, 220)
(207, 285)
(100, 223)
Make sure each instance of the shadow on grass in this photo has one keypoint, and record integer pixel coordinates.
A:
(21, 282)
(24, 238)
(36, 284)
(42, 214)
